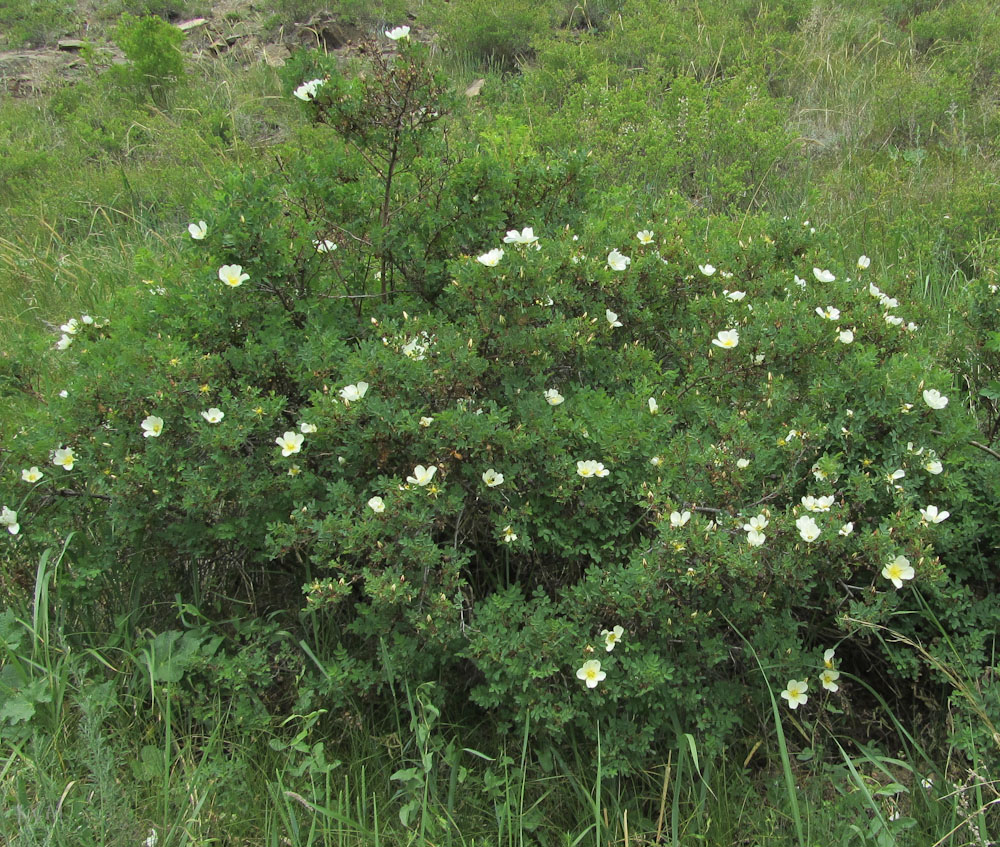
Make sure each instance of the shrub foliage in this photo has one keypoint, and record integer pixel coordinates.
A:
(476, 464)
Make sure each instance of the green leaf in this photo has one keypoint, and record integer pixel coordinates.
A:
(891, 790)
(407, 774)
(17, 709)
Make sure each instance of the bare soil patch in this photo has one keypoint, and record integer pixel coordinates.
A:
(234, 28)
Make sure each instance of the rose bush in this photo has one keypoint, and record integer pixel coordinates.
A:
(449, 444)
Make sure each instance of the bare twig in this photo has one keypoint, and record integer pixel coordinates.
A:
(69, 492)
(983, 447)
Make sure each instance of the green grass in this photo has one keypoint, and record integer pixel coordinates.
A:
(116, 760)
(110, 753)
(94, 178)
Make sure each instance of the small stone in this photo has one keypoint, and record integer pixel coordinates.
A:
(275, 55)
